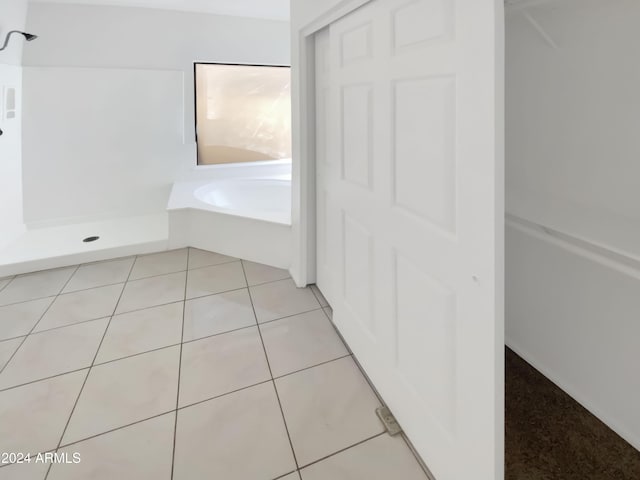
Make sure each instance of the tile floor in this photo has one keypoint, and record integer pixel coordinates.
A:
(183, 365)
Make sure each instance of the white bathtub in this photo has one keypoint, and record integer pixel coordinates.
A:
(261, 199)
(240, 216)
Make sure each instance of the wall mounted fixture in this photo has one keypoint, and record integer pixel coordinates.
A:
(26, 35)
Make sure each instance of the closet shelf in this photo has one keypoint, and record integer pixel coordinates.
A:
(613, 236)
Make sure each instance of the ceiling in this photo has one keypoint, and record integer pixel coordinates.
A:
(272, 9)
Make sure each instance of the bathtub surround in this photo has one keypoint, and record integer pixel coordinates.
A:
(236, 230)
(248, 216)
(13, 15)
(109, 125)
(127, 101)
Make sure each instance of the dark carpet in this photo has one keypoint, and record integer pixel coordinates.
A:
(549, 436)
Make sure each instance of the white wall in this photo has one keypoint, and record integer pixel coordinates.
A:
(274, 9)
(13, 14)
(573, 150)
(576, 318)
(573, 139)
(12, 17)
(109, 120)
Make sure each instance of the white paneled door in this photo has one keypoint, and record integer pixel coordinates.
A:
(410, 216)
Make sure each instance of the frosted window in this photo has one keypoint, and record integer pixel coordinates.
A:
(243, 113)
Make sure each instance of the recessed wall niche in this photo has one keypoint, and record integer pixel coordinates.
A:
(9, 96)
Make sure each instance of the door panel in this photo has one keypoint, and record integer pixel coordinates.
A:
(410, 209)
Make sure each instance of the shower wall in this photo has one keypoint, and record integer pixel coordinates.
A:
(12, 17)
(109, 105)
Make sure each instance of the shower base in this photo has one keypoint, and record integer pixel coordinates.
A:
(63, 245)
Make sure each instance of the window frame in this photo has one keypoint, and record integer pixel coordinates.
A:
(195, 100)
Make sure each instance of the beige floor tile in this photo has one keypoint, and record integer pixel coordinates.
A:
(100, 274)
(126, 391)
(328, 408)
(36, 285)
(159, 264)
(150, 292)
(32, 417)
(301, 341)
(54, 352)
(18, 319)
(142, 451)
(141, 331)
(281, 299)
(319, 295)
(258, 273)
(217, 365)
(217, 314)
(24, 471)
(7, 347)
(80, 306)
(203, 258)
(236, 437)
(216, 279)
(380, 458)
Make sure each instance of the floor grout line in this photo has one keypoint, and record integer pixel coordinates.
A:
(104, 334)
(43, 379)
(148, 308)
(273, 383)
(313, 290)
(288, 316)
(177, 409)
(285, 475)
(30, 300)
(376, 393)
(343, 450)
(11, 279)
(95, 364)
(175, 424)
(13, 338)
(199, 297)
(182, 271)
(36, 324)
(139, 279)
(164, 348)
(284, 375)
(421, 462)
(237, 390)
(74, 267)
(414, 452)
(60, 327)
(106, 432)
